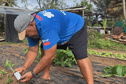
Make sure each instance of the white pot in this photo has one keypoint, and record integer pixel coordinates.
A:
(17, 75)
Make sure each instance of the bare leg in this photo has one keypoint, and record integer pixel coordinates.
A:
(46, 74)
(86, 70)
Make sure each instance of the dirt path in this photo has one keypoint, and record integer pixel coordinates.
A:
(60, 75)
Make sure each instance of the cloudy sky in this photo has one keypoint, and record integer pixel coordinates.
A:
(33, 3)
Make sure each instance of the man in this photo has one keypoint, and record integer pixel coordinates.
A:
(56, 29)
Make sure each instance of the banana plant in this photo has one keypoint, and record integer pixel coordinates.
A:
(104, 24)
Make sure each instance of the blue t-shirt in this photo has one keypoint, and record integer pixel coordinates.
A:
(55, 26)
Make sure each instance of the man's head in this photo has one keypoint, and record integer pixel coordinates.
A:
(22, 23)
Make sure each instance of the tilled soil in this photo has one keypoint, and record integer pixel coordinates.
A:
(59, 75)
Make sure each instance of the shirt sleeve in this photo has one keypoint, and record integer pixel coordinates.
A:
(49, 39)
(32, 42)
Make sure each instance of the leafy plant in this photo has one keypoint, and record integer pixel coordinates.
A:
(64, 57)
(2, 72)
(10, 64)
(104, 24)
(9, 80)
(119, 70)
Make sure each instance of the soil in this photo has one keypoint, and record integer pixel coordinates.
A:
(59, 75)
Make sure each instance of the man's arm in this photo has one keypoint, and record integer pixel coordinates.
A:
(31, 55)
(46, 59)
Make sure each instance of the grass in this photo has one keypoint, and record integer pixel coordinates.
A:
(96, 41)
(7, 43)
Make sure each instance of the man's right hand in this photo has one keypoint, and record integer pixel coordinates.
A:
(21, 70)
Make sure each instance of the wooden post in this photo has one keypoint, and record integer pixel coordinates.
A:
(83, 12)
(124, 9)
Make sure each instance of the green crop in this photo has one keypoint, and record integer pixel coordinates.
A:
(64, 57)
(119, 70)
(9, 80)
(2, 72)
(10, 64)
(107, 54)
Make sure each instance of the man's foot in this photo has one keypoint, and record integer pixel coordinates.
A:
(45, 77)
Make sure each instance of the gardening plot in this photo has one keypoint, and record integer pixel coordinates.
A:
(59, 75)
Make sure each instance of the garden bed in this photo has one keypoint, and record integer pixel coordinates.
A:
(59, 75)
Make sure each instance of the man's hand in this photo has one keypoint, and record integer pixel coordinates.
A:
(21, 70)
(27, 77)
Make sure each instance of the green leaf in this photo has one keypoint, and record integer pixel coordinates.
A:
(124, 70)
(119, 70)
(69, 64)
(1, 75)
(62, 64)
(108, 69)
(26, 50)
(3, 72)
(114, 69)
(7, 62)
(36, 61)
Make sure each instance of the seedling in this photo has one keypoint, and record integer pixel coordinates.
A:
(2, 72)
(10, 64)
(9, 80)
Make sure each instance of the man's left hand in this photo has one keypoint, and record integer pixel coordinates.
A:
(27, 77)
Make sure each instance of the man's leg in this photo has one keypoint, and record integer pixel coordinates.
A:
(86, 69)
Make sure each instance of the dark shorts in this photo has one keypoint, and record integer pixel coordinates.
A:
(77, 44)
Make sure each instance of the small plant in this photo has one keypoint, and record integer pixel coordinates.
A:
(9, 80)
(104, 24)
(10, 64)
(119, 70)
(64, 57)
(2, 72)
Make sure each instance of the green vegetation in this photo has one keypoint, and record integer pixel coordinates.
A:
(104, 24)
(108, 54)
(119, 70)
(97, 25)
(64, 57)
(2, 73)
(9, 64)
(9, 80)
(96, 41)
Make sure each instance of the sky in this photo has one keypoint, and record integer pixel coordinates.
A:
(33, 3)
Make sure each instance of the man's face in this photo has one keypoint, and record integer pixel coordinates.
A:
(31, 31)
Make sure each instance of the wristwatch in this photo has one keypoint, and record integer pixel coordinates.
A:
(33, 74)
